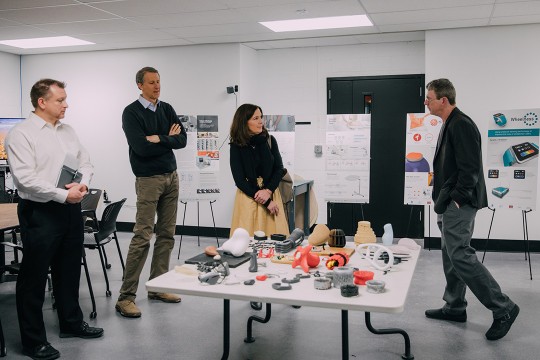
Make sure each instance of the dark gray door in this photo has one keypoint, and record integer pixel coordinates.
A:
(388, 99)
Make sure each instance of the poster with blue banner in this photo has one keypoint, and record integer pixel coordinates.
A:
(512, 159)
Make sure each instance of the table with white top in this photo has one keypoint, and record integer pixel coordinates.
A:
(303, 293)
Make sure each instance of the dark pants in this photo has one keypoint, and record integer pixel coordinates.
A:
(462, 268)
(52, 236)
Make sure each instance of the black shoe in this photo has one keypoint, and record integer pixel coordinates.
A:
(84, 332)
(439, 314)
(42, 352)
(502, 325)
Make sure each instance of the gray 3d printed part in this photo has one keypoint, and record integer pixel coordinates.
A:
(281, 286)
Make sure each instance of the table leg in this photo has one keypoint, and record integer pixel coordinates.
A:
(3, 351)
(249, 338)
(345, 334)
(407, 355)
(226, 328)
(306, 211)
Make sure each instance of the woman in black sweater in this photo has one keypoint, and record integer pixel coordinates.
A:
(257, 169)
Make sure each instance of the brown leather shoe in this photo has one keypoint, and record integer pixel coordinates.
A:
(168, 298)
(127, 308)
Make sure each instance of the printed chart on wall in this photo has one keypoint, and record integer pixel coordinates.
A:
(512, 159)
(421, 142)
(198, 162)
(348, 158)
(282, 129)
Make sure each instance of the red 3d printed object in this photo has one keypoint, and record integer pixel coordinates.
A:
(305, 259)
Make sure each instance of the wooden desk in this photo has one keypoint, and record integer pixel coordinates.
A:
(397, 281)
(300, 187)
(8, 221)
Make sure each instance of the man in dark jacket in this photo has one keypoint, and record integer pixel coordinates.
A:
(459, 190)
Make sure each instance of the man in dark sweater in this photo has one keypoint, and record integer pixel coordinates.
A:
(152, 130)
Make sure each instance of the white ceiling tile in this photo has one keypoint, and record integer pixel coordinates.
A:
(378, 6)
(312, 9)
(56, 14)
(6, 22)
(22, 32)
(24, 4)
(253, 3)
(191, 19)
(517, 8)
(392, 37)
(512, 20)
(453, 24)
(127, 36)
(222, 29)
(94, 26)
(432, 15)
(155, 7)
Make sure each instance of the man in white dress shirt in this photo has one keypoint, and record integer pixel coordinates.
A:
(50, 218)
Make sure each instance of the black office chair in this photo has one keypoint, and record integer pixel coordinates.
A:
(101, 234)
(89, 206)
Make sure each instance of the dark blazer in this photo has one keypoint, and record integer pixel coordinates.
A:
(457, 164)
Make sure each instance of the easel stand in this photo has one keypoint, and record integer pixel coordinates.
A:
(429, 227)
(198, 224)
(525, 237)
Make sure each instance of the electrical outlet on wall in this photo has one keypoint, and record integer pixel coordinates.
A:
(318, 150)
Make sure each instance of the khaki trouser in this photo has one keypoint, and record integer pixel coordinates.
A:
(155, 194)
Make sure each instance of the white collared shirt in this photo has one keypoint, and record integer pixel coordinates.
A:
(36, 152)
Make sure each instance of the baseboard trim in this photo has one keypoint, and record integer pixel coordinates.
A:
(495, 245)
(184, 230)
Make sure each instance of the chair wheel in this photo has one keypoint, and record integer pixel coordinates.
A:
(296, 306)
(108, 293)
(93, 315)
(256, 305)
(3, 352)
(108, 266)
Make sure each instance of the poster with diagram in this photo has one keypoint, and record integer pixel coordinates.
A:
(512, 159)
(421, 141)
(282, 127)
(347, 162)
(198, 162)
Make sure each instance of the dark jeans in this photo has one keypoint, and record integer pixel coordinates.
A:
(461, 266)
(52, 236)
(155, 194)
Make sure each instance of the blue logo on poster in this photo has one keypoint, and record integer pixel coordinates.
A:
(500, 119)
(530, 119)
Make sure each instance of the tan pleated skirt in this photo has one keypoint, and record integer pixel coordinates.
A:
(252, 216)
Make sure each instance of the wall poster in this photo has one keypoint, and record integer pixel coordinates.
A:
(198, 162)
(420, 144)
(512, 159)
(281, 127)
(348, 141)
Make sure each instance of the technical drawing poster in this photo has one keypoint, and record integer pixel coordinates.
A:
(281, 127)
(348, 140)
(512, 159)
(420, 144)
(198, 162)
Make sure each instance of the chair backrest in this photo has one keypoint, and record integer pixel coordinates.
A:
(90, 201)
(107, 225)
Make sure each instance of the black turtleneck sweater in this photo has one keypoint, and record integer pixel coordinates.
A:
(255, 160)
